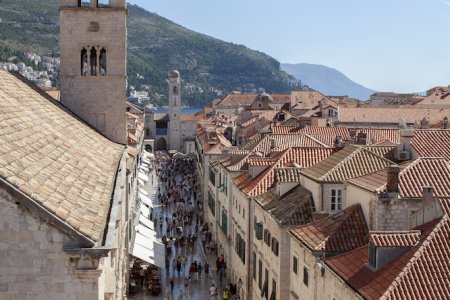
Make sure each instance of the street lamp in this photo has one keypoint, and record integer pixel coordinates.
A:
(239, 286)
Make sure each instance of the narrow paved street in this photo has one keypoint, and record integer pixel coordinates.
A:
(180, 207)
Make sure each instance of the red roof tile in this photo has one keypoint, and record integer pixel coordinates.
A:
(394, 238)
(339, 232)
(432, 142)
(423, 272)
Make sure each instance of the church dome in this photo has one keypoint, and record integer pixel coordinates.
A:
(264, 97)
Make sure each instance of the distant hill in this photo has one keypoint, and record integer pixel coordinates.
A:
(155, 46)
(327, 80)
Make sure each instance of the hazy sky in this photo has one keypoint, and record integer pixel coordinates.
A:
(386, 45)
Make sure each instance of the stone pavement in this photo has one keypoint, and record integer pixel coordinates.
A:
(196, 289)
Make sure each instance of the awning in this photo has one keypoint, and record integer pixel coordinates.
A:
(146, 161)
(146, 222)
(145, 211)
(143, 168)
(148, 154)
(142, 191)
(149, 249)
(142, 176)
(146, 200)
(141, 182)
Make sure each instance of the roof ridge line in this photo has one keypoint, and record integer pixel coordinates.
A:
(341, 162)
(270, 168)
(316, 140)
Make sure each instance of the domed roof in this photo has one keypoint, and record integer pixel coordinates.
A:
(174, 74)
(264, 97)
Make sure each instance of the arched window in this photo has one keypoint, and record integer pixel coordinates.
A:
(102, 59)
(93, 60)
(84, 62)
(175, 90)
(79, 3)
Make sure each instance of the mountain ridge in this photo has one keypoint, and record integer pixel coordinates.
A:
(155, 46)
(327, 80)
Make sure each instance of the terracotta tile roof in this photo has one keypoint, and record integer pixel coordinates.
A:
(411, 114)
(339, 232)
(306, 99)
(301, 140)
(375, 135)
(185, 117)
(286, 129)
(445, 204)
(387, 239)
(302, 157)
(288, 175)
(413, 177)
(425, 172)
(352, 161)
(54, 94)
(432, 142)
(293, 208)
(54, 158)
(423, 272)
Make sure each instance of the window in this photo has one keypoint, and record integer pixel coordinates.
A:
(259, 231)
(147, 131)
(260, 274)
(265, 290)
(273, 295)
(211, 204)
(224, 222)
(305, 276)
(212, 176)
(102, 59)
(243, 212)
(275, 246)
(295, 265)
(267, 237)
(93, 61)
(240, 247)
(254, 265)
(175, 91)
(336, 200)
(84, 61)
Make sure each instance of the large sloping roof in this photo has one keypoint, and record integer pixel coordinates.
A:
(54, 158)
(413, 177)
(423, 272)
(340, 232)
(293, 208)
(432, 142)
(352, 161)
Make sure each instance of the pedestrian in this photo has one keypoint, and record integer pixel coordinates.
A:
(141, 275)
(226, 294)
(213, 291)
(206, 268)
(178, 267)
(172, 283)
(218, 265)
(186, 282)
(199, 269)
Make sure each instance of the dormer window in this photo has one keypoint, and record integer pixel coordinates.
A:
(372, 256)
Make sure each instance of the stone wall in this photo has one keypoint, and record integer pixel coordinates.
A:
(99, 100)
(33, 264)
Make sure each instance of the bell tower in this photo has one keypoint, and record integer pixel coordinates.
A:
(174, 110)
(93, 46)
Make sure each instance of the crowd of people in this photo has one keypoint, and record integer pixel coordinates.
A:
(180, 224)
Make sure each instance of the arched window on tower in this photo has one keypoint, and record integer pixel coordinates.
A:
(93, 61)
(175, 90)
(102, 59)
(84, 62)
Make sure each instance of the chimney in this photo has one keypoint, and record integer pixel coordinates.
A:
(392, 179)
(338, 143)
(272, 143)
(427, 193)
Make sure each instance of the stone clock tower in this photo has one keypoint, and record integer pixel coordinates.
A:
(174, 110)
(93, 46)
